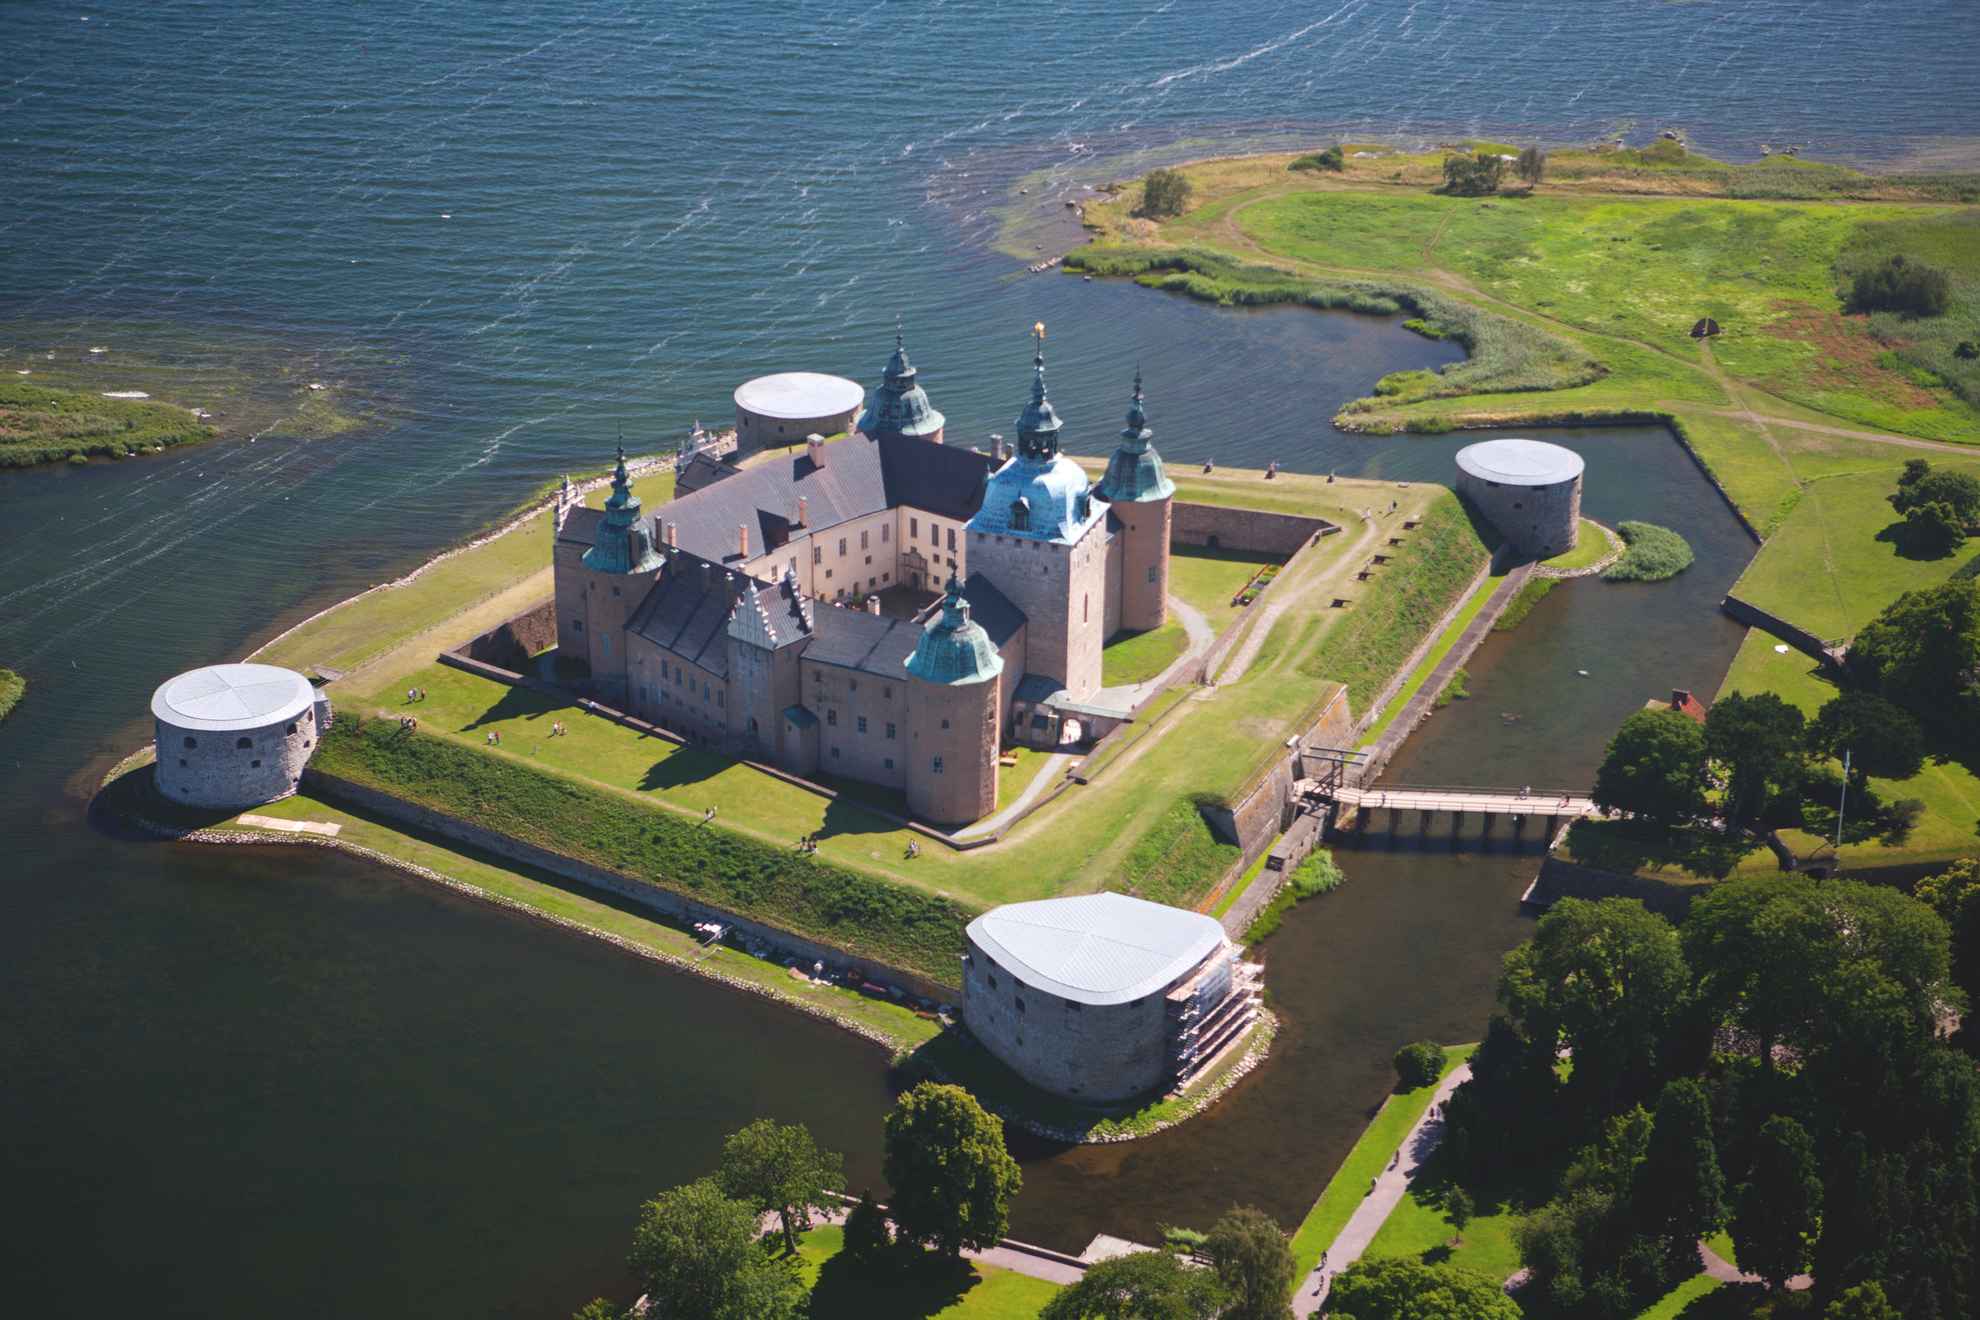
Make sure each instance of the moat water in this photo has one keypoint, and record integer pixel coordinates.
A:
(280, 1080)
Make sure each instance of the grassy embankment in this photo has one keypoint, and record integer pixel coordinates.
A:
(39, 425)
(1592, 544)
(965, 1291)
(12, 688)
(1365, 1159)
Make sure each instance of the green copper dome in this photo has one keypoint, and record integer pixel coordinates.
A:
(624, 541)
(1038, 425)
(900, 406)
(953, 650)
(1135, 472)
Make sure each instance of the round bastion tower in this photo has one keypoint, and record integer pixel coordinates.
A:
(1143, 499)
(954, 694)
(618, 569)
(900, 406)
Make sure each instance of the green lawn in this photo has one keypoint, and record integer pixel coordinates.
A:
(1591, 547)
(1418, 676)
(551, 896)
(1417, 1227)
(39, 425)
(1243, 882)
(1828, 571)
(1950, 791)
(1137, 657)
(1367, 1158)
(1012, 780)
(962, 1290)
(1673, 1303)
(1208, 579)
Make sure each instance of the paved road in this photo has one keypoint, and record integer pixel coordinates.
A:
(1004, 1258)
(1374, 1210)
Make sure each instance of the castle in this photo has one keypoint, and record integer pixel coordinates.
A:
(745, 614)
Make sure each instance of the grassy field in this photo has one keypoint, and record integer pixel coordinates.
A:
(551, 896)
(1950, 792)
(1473, 607)
(964, 1290)
(1591, 546)
(1367, 1158)
(1832, 567)
(12, 688)
(1137, 657)
(1417, 1227)
(1206, 580)
(40, 425)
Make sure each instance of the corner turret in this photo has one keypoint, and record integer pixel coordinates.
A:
(598, 591)
(900, 406)
(1143, 500)
(954, 696)
(624, 541)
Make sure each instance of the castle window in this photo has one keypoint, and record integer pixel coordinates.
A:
(832, 718)
(952, 545)
(993, 980)
(1020, 1003)
(945, 724)
(828, 575)
(890, 731)
(722, 698)
(1152, 571)
(869, 559)
(243, 743)
(254, 765)
(615, 591)
(835, 753)
(191, 743)
(865, 539)
(862, 724)
(1020, 514)
(1083, 611)
(1073, 1006)
(842, 545)
(852, 685)
(883, 533)
(890, 763)
(886, 692)
(182, 763)
(871, 583)
(914, 528)
(817, 554)
(937, 766)
(886, 578)
(292, 729)
(577, 625)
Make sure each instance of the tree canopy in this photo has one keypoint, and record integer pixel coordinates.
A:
(952, 1178)
(1909, 288)
(778, 1167)
(1758, 740)
(1473, 176)
(1655, 768)
(1397, 1288)
(1254, 1263)
(1148, 1285)
(1779, 1212)
(1921, 483)
(1531, 165)
(1419, 1063)
(1923, 652)
(1165, 192)
(1881, 738)
(696, 1254)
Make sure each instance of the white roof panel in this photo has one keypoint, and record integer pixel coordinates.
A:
(1096, 948)
(221, 697)
(1520, 462)
(799, 396)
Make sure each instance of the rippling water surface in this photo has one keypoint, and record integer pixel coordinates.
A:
(284, 1081)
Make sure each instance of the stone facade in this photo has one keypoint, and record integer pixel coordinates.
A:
(1085, 1052)
(954, 743)
(1530, 491)
(1214, 527)
(209, 754)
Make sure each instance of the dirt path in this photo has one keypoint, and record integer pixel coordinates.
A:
(1328, 578)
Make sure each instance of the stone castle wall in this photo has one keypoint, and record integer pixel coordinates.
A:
(1535, 520)
(1090, 1052)
(233, 767)
(510, 645)
(965, 788)
(1147, 531)
(1214, 527)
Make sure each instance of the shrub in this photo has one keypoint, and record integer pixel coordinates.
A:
(1521, 605)
(1332, 158)
(1531, 165)
(1165, 192)
(1458, 689)
(1419, 1064)
(1654, 553)
(12, 688)
(1316, 875)
(1901, 286)
(1473, 176)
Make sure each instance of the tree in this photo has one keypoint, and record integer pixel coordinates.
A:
(1758, 739)
(1531, 165)
(778, 1167)
(1881, 739)
(1148, 1285)
(1922, 653)
(1165, 192)
(1457, 1209)
(1654, 768)
(1398, 1288)
(599, 1309)
(696, 1255)
(1608, 980)
(1419, 1063)
(1922, 484)
(1866, 1301)
(952, 1178)
(1254, 1263)
(866, 1235)
(1329, 158)
(1906, 287)
(1930, 531)
(1678, 1192)
(1473, 176)
(1779, 1214)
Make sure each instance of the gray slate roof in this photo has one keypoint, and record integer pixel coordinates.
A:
(992, 609)
(870, 643)
(1096, 949)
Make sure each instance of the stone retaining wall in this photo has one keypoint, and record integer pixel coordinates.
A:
(786, 944)
(1799, 638)
(1559, 879)
(510, 645)
(1212, 526)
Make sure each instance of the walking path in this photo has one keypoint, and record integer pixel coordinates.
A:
(1201, 636)
(1375, 1208)
(1280, 600)
(1048, 775)
(1036, 1263)
(1726, 1272)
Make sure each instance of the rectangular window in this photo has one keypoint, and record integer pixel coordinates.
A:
(937, 766)
(914, 528)
(577, 625)
(1152, 572)
(952, 538)
(722, 698)
(862, 724)
(871, 583)
(1083, 612)
(883, 533)
(828, 575)
(835, 753)
(869, 560)
(890, 763)
(842, 545)
(890, 731)
(865, 539)
(817, 554)
(886, 578)
(832, 718)
(886, 692)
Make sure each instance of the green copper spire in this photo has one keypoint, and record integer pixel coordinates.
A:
(1134, 473)
(1038, 425)
(954, 649)
(900, 406)
(623, 542)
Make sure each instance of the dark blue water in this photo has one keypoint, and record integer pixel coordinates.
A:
(282, 1081)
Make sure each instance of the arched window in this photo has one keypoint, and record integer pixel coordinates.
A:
(1020, 514)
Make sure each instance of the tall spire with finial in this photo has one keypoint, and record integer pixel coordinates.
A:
(1135, 470)
(900, 406)
(623, 542)
(1038, 424)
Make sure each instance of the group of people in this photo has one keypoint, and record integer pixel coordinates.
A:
(494, 737)
(415, 694)
(808, 844)
(408, 723)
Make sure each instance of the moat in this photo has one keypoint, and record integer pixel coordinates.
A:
(278, 1079)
